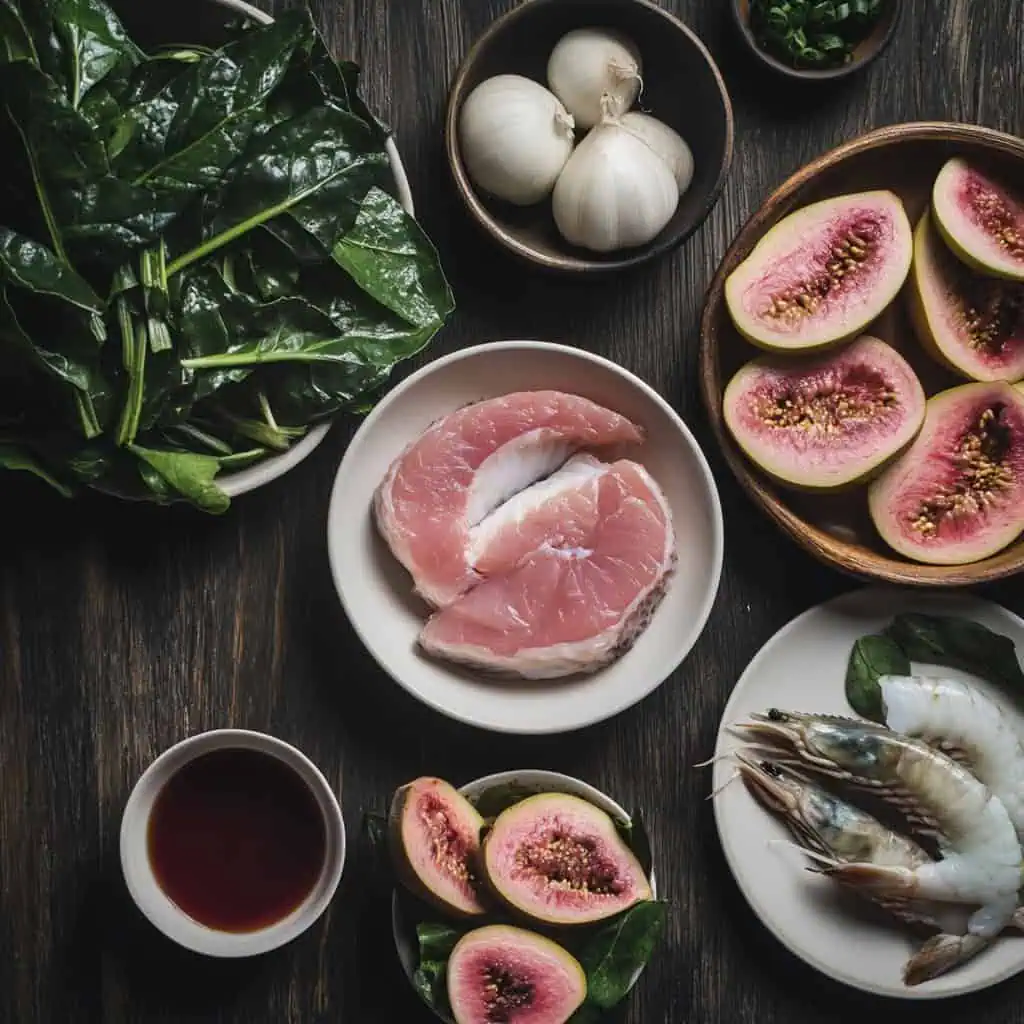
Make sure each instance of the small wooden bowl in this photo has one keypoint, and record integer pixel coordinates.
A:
(863, 54)
(837, 528)
(682, 87)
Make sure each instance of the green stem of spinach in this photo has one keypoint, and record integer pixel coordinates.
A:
(87, 414)
(244, 226)
(268, 413)
(37, 181)
(133, 351)
(193, 433)
(249, 358)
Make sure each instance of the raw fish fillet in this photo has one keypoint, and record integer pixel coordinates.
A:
(577, 601)
(469, 463)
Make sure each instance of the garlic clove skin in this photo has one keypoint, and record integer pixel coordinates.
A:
(588, 64)
(615, 192)
(515, 138)
(667, 143)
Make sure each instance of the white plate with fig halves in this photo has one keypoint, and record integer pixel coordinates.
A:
(844, 871)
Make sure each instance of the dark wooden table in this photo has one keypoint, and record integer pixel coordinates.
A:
(125, 629)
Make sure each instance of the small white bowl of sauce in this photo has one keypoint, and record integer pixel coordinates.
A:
(232, 843)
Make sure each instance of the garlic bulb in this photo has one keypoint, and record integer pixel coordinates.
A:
(665, 142)
(589, 64)
(516, 137)
(615, 191)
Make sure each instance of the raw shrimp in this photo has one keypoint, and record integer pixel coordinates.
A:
(824, 824)
(953, 715)
(981, 862)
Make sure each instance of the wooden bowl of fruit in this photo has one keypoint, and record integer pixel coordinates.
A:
(881, 424)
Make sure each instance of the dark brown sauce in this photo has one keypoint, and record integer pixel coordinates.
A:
(236, 839)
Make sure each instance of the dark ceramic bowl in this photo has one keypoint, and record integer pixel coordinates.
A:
(682, 87)
(864, 53)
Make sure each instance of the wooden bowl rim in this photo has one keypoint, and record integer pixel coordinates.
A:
(577, 264)
(810, 74)
(826, 548)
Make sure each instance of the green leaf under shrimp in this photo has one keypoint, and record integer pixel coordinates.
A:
(873, 656)
(957, 643)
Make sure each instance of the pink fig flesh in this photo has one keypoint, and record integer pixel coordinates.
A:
(980, 218)
(434, 836)
(828, 421)
(823, 273)
(560, 860)
(957, 495)
(505, 975)
(972, 323)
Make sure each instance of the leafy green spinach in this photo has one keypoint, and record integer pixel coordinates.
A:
(200, 252)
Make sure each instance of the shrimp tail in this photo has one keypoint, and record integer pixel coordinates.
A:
(941, 953)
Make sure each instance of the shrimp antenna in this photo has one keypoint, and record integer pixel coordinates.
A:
(713, 760)
(732, 778)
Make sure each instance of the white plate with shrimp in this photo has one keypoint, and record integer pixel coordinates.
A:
(803, 668)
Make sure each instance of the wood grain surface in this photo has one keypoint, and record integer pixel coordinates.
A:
(124, 629)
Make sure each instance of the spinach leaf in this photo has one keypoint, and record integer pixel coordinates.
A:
(436, 942)
(199, 254)
(285, 168)
(185, 137)
(393, 261)
(634, 832)
(31, 266)
(70, 358)
(15, 38)
(873, 656)
(14, 457)
(958, 643)
(186, 473)
(93, 41)
(59, 142)
(614, 954)
(107, 219)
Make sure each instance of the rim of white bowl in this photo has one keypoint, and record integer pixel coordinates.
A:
(697, 624)
(544, 781)
(157, 906)
(244, 480)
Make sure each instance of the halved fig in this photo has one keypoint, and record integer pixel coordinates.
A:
(972, 323)
(827, 421)
(435, 844)
(980, 218)
(508, 975)
(560, 860)
(823, 273)
(957, 495)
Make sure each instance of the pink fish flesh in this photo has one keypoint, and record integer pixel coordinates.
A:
(579, 598)
(470, 462)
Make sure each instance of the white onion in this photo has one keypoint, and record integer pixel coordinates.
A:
(668, 144)
(589, 64)
(615, 191)
(515, 138)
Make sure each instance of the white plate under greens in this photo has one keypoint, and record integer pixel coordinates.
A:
(803, 668)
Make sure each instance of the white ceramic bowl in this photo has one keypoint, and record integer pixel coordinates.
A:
(170, 918)
(376, 592)
(270, 469)
(534, 780)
